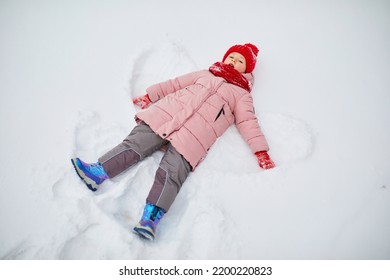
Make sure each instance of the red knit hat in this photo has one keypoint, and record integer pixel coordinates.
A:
(249, 51)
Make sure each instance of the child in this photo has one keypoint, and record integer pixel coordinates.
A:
(187, 115)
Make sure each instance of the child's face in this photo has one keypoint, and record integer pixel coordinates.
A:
(237, 61)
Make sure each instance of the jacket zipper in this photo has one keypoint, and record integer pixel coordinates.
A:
(197, 109)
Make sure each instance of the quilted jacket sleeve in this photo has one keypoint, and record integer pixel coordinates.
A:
(161, 90)
(248, 125)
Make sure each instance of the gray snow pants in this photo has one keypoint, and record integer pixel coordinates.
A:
(142, 142)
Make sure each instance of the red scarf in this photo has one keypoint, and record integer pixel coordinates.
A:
(230, 74)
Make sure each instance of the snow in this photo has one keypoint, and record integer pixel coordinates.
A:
(67, 74)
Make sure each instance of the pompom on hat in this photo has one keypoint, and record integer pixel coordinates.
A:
(249, 51)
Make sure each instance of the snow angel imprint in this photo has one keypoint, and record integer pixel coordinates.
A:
(187, 115)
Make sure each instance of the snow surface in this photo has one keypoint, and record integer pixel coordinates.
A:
(68, 70)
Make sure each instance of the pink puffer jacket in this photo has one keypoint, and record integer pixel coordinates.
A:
(193, 110)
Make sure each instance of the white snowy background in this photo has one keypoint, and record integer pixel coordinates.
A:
(68, 70)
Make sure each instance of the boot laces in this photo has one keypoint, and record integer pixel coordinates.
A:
(96, 169)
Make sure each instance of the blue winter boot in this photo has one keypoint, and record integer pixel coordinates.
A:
(150, 218)
(92, 174)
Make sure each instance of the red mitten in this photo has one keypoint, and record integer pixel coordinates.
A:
(264, 160)
(142, 101)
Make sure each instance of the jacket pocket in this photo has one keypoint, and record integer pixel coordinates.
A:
(222, 111)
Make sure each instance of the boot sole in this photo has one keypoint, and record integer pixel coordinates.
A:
(87, 181)
(144, 233)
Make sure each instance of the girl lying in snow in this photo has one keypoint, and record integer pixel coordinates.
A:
(187, 115)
